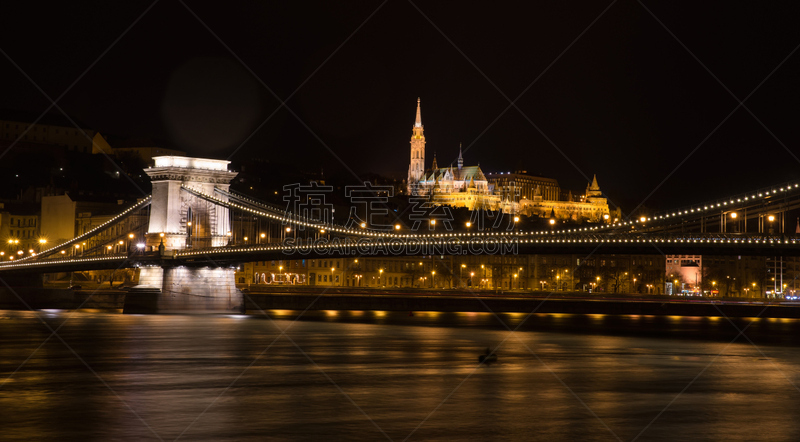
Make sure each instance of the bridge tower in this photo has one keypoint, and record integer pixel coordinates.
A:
(172, 210)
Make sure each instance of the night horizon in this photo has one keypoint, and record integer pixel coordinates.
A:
(624, 100)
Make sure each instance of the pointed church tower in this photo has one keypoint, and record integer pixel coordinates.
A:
(416, 168)
(460, 159)
(434, 166)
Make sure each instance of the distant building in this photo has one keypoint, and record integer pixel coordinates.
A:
(54, 130)
(684, 272)
(19, 229)
(519, 185)
(591, 206)
(64, 218)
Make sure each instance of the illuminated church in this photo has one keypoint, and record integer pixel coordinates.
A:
(457, 186)
(468, 186)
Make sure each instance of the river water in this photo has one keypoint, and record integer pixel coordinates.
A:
(393, 376)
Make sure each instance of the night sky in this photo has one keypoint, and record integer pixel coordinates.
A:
(603, 87)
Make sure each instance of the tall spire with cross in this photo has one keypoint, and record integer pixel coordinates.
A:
(416, 169)
(460, 159)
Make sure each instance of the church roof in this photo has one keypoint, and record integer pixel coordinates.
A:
(466, 173)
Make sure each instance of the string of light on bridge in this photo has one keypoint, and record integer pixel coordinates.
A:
(49, 262)
(699, 209)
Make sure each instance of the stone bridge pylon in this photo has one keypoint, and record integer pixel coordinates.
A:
(179, 220)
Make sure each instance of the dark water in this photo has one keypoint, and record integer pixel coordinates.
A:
(390, 376)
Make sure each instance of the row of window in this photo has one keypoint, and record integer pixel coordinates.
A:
(22, 234)
(23, 222)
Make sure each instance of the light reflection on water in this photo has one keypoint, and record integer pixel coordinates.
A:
(356, 375)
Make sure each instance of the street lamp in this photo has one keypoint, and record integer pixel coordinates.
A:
(433, 278)
(461, 273)
(515, 278)
(331, 276)
(380, 276)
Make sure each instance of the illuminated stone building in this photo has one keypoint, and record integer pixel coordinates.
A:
(591, 206)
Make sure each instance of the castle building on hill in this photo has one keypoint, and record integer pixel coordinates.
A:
(468, 186)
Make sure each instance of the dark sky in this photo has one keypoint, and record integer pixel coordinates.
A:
(626, 101)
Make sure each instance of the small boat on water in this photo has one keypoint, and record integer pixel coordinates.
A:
(488, 356)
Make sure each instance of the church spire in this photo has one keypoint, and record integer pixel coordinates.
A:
(460, 159)
(434, 166)
(418, 122)
(416, 169)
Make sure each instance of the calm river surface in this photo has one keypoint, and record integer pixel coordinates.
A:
(391, 376)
